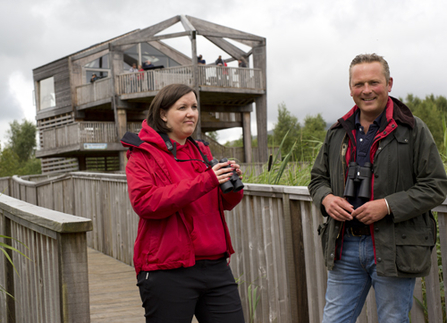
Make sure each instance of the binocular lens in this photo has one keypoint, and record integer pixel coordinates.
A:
(234, 184)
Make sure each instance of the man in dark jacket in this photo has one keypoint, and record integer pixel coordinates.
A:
(376, 178)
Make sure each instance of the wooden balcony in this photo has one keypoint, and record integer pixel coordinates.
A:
(82, 137)
(227, 79)
(211, 78)
(96, 93)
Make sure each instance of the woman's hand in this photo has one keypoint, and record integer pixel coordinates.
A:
(237, 168)
(224, 171)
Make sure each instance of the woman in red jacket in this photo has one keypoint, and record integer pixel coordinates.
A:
(183, 241)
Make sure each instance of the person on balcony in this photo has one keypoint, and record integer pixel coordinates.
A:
(94, 78)
(375, 179)
(141, 79)
(241, 63)
(183, 241)
(200, 60)
(219, 61)
(133, 69)
(147, 65)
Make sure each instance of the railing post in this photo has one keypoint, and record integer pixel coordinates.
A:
(9, 274)
(296, 257)
(73, 274)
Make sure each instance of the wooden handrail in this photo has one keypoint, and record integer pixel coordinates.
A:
(274, 233)
(209, 75)
(51, 284)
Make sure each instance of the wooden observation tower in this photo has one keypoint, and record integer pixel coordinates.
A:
(80, 122)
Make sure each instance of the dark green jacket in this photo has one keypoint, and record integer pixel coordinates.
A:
(407, 171)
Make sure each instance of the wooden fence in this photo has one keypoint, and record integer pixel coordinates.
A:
(274, 233)
(51, 284)
(230, 77)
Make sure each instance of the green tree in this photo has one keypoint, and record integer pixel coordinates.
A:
(22, 139)
(286, 123)
(213, 135)
(311, 135)
(17, 158)
(240, 142)
(432, 110)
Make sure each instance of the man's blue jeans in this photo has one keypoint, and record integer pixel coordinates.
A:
(349, 283)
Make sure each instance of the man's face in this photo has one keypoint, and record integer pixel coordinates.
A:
(369, 88)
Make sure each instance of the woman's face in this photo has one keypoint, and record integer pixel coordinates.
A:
(182, 118)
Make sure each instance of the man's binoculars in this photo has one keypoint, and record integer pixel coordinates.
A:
(234, 184)
(358, 174)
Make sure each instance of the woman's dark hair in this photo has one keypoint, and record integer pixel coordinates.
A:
(164, 100)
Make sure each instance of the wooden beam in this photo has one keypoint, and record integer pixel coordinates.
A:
(231, 90)
(122, 128)
(148, 32)
(143, 39)
(225, 108)
(172, 53)
(221, 125)
(260, 61)
(227, 47)
(186, 24)
(203, 26)
(259, 40)
(246, 135)
(195, 82)
(95, 50)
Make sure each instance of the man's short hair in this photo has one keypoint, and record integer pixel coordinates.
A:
(164, 100)
(370, 58)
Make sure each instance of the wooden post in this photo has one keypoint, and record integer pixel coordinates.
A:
(195, 82)
(260, 61)
(246, 133)
(73, 275)
(9, 275)
(296, 266)
(122, 128)
(118, 105)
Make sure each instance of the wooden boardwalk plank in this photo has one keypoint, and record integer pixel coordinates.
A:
(114, 296)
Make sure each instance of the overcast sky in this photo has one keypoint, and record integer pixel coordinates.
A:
(310, 44)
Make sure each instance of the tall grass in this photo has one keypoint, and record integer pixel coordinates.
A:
(284, 171)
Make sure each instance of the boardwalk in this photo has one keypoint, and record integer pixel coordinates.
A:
(114, 295)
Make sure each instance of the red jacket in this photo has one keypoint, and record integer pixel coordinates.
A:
(163, 192)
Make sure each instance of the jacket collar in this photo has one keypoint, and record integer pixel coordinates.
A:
(395, 110)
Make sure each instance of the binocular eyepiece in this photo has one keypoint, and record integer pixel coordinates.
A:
(358, 174)
(234, 184)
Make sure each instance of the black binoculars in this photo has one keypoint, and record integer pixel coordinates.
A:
(234, 184)
(358, 174)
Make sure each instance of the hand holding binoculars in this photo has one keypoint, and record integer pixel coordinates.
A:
(234, 184)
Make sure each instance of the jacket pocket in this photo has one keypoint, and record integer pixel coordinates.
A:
(413, 250)
(323, 232)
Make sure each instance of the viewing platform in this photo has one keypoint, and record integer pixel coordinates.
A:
(102, 84)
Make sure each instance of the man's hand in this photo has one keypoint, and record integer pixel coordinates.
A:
(338, 208)
(371, 211)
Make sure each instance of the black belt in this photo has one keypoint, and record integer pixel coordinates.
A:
(359, 231)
